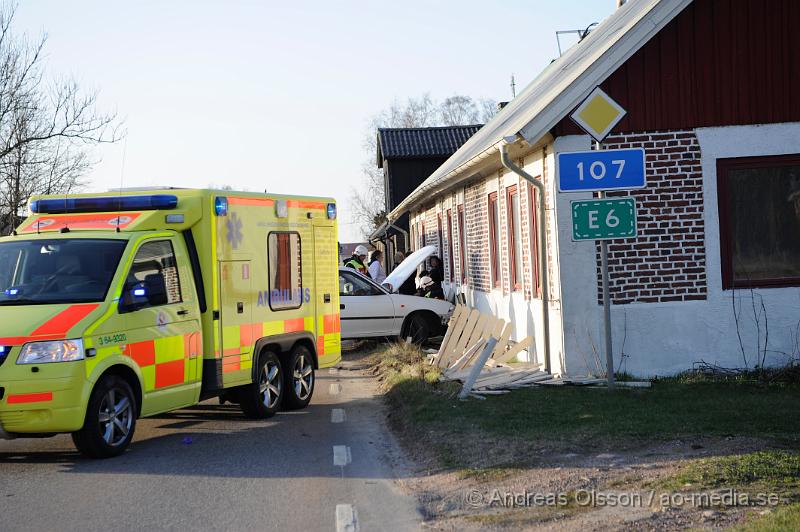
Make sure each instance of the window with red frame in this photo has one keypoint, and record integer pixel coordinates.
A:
(440, 251)
(450, 274)
(759, 216)
(533, 233)
(494, 238)
(514, 237)
(462, 247)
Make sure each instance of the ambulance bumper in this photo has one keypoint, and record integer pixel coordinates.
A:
(37, 405)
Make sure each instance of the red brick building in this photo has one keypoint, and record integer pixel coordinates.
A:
(711, 92)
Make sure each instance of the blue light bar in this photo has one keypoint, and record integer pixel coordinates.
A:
(139, 292)
(221, 206)
(331, 211)
(105, 204)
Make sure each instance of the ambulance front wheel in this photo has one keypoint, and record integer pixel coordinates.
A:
(262, 398)
(110, 419)
(299, 379)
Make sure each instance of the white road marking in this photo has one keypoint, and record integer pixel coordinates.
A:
(333, 371)
(346, 518)
(335, 389)
(341, 455)
(338, 415)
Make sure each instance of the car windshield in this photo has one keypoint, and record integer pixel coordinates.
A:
(38, 272)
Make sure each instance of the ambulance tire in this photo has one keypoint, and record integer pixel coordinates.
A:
(262, 399)
(113, 399)
(299, 379)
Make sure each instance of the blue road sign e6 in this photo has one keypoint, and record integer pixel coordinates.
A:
(601, 170)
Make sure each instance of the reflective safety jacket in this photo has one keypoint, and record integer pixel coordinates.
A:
(355, 263)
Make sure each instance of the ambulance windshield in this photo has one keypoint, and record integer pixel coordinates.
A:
(39, 272)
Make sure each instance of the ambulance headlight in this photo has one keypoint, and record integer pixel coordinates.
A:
(46, 352)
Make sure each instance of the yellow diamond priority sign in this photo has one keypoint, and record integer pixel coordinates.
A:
(598, 114)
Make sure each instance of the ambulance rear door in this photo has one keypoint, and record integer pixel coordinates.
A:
(325, 293)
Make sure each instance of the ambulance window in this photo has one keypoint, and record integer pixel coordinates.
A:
(156, 260)
(285, 271)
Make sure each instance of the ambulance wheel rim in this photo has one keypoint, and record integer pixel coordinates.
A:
(270, 384)
(116, 417)
(303, 377)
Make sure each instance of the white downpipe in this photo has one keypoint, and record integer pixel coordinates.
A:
(541, 217)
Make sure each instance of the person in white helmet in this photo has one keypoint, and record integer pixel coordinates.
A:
(427, 287)
(356, 262)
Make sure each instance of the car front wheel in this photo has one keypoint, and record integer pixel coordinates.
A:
(417, 328)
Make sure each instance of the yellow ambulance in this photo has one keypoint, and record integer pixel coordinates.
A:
(124, 305)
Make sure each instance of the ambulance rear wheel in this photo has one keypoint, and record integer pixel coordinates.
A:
(262, 398)
(110, 419)
(299, 379)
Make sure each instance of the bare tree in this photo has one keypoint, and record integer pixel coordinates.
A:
(368, 202)
(45, 125)
(457, 110)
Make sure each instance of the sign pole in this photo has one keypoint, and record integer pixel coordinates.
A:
(606, 301)
(598, 115)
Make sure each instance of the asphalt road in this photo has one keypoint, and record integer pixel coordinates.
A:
(209, 468)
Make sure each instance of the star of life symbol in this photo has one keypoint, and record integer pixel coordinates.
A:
(234, 235)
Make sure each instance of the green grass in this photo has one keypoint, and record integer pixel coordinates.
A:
(596, 417)
(786, 519)
(774, 470)
(767, 472)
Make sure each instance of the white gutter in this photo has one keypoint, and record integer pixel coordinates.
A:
(542, 247)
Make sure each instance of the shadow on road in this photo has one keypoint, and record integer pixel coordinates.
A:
(214, 440)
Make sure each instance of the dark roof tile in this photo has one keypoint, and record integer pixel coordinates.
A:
(422, 141)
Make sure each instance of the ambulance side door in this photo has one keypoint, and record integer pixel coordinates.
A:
(162, 322)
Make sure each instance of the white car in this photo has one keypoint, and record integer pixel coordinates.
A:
(370, 310)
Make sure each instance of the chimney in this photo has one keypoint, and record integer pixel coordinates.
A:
(620, 3)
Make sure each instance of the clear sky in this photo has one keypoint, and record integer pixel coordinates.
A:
(277, 95)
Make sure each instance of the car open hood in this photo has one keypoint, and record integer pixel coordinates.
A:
(403, 270)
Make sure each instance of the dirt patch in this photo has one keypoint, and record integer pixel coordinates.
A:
(474, 475)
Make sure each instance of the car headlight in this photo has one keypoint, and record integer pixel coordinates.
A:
(46, 352)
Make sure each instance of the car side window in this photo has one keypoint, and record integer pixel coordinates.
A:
(353, 285)
(153, 279)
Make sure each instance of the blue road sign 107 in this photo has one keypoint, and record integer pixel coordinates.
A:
(601, 170)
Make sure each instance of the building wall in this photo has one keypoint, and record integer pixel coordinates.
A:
(718, 63)
(669, 335)
(522, 308)
(667, 259)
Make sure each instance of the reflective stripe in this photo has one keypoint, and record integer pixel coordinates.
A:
(30, 398)
(230, 364)
(260, 202)
(257, 202)
(61, 323)
(163, 361)
(12, 341)
(331, 324)
(320, 345)
(298, 324)
(143, 353)
(92, 220)
(169, 373)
